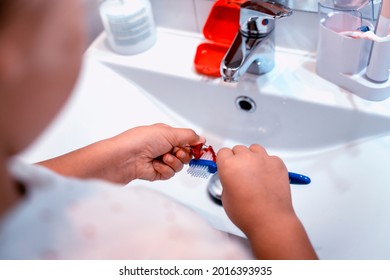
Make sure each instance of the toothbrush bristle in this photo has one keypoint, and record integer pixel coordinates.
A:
(203, 164)
(207, 155)
(202, 167)
(200, 171)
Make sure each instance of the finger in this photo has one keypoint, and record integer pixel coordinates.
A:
(163, 170)
(256, 148)
(240, 149)
(185, 149)
(184, 155)
(173, 162)
(162, 125)
(224, 153)
(184, 136)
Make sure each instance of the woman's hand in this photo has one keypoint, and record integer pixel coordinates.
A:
(154, 152)
(257, 198)
(255, 185)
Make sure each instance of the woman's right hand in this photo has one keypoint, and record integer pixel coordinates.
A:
(257, 198)
(255, 185)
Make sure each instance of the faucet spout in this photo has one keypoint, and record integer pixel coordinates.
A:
(251, 54)
(253, 48)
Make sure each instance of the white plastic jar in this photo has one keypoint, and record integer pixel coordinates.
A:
(129, 25)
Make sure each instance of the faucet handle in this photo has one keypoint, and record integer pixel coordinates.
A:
(265, 8)
(257, 17)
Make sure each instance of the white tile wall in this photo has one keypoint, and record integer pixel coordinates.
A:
(176, 14)
(185, 15)
(202, 9)
(298, 31)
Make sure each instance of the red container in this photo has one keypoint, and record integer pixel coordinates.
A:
(220, 29)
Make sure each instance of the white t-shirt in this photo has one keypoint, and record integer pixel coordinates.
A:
(68, 218)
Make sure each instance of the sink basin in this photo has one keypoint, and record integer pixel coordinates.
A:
(340, 141)
(247, 112)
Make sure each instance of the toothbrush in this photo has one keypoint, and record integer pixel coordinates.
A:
(369, 35)
(364, 32)
(204, 164)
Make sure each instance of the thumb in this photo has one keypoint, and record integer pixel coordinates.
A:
(185, 136)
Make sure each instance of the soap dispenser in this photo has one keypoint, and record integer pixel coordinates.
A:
(129, 25)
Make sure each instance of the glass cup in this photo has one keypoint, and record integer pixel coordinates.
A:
(337, 53)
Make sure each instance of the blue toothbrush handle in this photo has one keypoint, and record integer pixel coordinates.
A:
(298, 179)
(211, 167)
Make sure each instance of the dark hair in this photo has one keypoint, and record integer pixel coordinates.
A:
(6, 7)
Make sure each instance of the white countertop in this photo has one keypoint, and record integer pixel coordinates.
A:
(346, 209)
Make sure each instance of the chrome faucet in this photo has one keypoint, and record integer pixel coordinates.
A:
(253, 48)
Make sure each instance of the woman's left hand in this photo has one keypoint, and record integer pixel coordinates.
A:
(154, 152)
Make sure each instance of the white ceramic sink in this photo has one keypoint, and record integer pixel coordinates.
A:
(246, 112)
(340, 141)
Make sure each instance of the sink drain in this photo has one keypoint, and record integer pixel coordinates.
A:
(246, 104)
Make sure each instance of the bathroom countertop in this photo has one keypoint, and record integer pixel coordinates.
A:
(345, 210)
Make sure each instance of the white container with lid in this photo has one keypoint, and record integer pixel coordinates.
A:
(129, 25)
